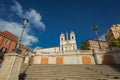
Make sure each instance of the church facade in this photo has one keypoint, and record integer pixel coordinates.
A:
(67, 53)
(65, 44)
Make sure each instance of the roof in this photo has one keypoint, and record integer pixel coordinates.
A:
(9, 35)
(96, 40)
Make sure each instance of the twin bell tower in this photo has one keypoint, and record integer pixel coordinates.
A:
(67, 44)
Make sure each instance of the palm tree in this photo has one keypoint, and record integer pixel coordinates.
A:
(95, 28)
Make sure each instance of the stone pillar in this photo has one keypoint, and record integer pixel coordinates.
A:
(94, 56)
(11, 66)
(26, 60)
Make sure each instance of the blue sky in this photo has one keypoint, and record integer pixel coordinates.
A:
(49, 18)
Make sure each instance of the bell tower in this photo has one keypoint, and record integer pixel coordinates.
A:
(72, 36)
(73, 40)
(62, 37)
(62, 40)
(67, 44)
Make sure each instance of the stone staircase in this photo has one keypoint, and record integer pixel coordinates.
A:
(69, 72)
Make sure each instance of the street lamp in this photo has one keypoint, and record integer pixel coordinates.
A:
(95, 28)
(25, 21)
(17, 49)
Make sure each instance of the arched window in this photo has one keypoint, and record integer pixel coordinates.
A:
(61, 39)
(44, 60)
(86, 60)
(59, 60)
(72, 37)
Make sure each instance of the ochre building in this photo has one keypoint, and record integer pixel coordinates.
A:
(93, 44)
(113, 33)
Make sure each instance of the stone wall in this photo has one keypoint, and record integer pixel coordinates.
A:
(77, 57)
(11, 67)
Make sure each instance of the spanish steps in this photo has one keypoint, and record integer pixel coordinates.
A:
(69, 72)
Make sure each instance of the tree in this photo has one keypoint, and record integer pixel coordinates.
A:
(84, 46)
(115, 43)
(95, 28)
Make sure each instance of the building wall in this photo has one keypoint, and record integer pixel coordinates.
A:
(1, 40)
(53, 49)
(3, 43)
(72, 59)
(113, 33)
(12, 46)
(24, 50)
(79, 57)
(9, 46)
(93, 44)
(8, 41)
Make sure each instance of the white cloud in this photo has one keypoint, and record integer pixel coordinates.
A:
(35, 20)
(17, 8)
(29, 38)
(16, 28)
(34, 17)
(103, 37)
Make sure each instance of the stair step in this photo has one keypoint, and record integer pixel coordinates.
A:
(69, 72)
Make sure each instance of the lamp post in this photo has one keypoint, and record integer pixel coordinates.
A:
(25, 21)
(95, 28)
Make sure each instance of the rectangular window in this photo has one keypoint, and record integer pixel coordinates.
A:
(7, 41)
(3, 50)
